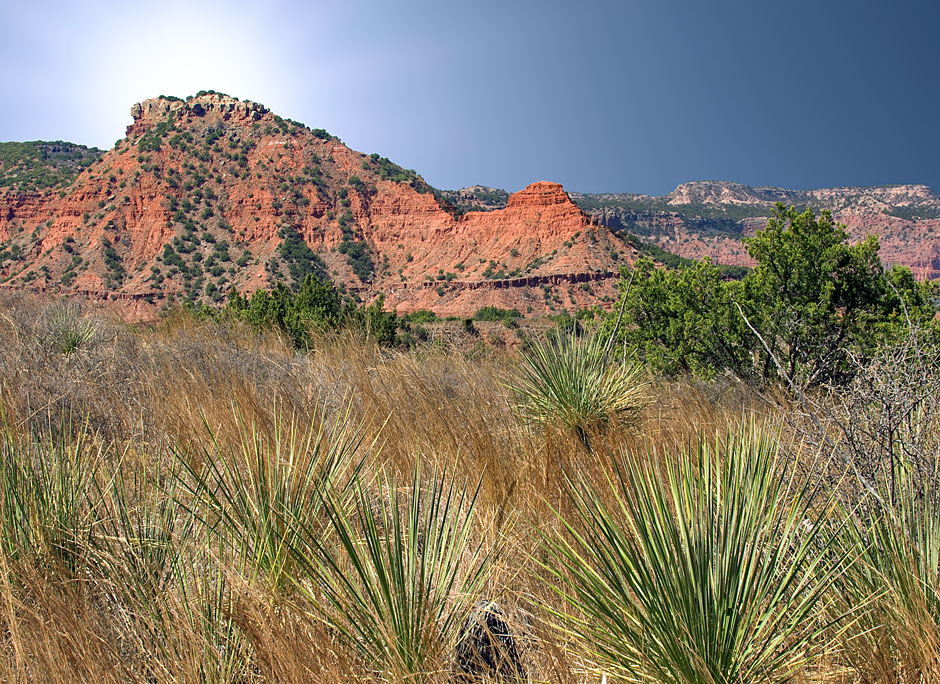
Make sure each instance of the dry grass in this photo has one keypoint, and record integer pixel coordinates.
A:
(138, 396)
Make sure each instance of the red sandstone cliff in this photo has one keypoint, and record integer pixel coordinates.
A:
(211, 192)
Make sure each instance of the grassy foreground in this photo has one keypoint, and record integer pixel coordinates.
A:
(198, 503)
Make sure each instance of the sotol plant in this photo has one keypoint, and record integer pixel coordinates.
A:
(399, 574)
(571, 382)
(713, 573)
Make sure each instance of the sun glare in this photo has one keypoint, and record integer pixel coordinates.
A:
(198, 48)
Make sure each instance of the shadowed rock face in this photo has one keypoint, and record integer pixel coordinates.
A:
(212, 192)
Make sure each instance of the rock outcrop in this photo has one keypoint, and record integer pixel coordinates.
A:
(213, 106)
(709, 218)
(211, 192)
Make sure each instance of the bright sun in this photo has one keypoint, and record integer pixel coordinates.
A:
(198, 48)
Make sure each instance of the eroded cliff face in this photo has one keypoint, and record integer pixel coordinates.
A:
(858, 200)
(911, 243)
(211, 192)
(539, 254)
(210, 108)
(709, 218)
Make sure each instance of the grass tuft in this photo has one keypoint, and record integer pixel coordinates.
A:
(897, 577)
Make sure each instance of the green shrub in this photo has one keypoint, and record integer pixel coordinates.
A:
(495, 314)
(40, 165)
(420, 316)
(359, 258)
(115, 273)
(300, 259)
(813, 307)
(317, 306)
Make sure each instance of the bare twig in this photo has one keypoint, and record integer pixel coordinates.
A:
(623, 305)
(869, 486)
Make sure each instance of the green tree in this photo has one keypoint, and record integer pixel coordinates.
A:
(814, 306)
(819, 302)
(683, 321)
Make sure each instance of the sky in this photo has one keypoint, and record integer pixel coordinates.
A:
(601, 96)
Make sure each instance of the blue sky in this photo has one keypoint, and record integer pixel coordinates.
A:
(600, 96)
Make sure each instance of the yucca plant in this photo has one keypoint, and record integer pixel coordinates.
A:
(137, 551)
(897, 576)
(169, 595)
(400, 575)
(139, 525)
(713, 572)
(258, 493)
(44, 498)
(67, 332)
(204, 642)
(572, 382)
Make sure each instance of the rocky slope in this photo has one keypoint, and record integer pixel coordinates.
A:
(710, 218)
(211, 192)
(38, 165)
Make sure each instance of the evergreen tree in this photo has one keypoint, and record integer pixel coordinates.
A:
(814, 304)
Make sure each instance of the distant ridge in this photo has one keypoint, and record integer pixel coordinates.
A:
(40, 164)
(211, 192)
(709, 218)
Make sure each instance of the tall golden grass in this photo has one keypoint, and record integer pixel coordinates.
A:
(197, 502)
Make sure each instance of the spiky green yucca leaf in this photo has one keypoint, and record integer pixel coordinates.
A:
(216, 649)
(711, 575)
(898, 576)
(136, 550)
(260, 492)
(398, 581)
(137, 525)
(68, 333)
(44, 498)
(571, 382)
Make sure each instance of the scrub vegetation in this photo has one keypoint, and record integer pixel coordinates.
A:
(40, 165)
(207, 500)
